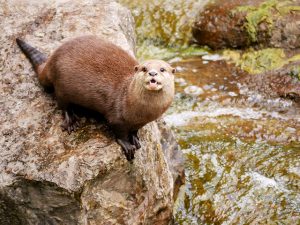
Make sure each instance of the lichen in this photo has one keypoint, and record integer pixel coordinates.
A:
(266, 12)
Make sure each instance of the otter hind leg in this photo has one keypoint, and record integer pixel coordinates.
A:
(128, 148)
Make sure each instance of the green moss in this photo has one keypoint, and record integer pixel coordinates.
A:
(288, 8)
(295, 58)
(164, 21)
(163, 27)
(263, 60)
(255, 62)
(149, 51)
(266, 12)
(295, 72)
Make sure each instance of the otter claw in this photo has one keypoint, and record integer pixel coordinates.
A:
(129, 153)
(136, 142)
(70, 122)
(128, 149)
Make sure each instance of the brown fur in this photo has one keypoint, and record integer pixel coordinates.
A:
(98, 75)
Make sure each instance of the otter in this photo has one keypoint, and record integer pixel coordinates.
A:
(96, 74)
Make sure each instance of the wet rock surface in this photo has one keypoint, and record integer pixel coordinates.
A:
(50, 177)
(240, 24)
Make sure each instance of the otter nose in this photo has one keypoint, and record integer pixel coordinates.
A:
(152, 73)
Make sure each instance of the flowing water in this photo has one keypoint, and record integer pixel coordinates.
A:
(242, 147)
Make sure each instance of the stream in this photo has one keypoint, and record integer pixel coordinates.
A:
(241, 146)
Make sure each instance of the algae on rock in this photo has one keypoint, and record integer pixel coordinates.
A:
(241, 24)
(266, 12)
(164, 25)
(259, 61)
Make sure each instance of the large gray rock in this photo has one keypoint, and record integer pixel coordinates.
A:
(50, 177)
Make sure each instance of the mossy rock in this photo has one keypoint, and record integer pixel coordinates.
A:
(260, 61)
(240, 24)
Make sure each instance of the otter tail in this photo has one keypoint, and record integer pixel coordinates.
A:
(38, 61)
(35, 56)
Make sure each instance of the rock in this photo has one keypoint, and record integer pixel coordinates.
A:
(164, 22)
(283, 82)
(240, 24)
(193, 91)
(50, 177)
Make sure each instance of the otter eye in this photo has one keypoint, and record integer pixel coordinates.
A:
(144, 69)
(162, 70)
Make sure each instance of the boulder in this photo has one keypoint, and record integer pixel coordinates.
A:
(240, 24)
(50, 177)
(283, 82)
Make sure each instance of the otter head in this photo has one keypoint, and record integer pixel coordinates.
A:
(155, 75)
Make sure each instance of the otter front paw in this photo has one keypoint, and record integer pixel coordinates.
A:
(128, 149)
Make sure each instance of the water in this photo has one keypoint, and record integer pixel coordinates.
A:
(242, 147)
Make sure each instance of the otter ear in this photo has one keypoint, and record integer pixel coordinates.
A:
(136, 68)
(173, 70)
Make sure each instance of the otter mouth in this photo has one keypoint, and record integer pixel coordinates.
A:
(153, 85)
(153, 81)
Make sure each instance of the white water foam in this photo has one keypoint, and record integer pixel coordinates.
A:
(181, 119)
(262, 181)
(214, 57)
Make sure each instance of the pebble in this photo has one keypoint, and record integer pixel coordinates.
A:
(207, 87)
(214, 57)
(179, 68)
(180, 81)
(176, 59)
(290, 130)
(232, 94)
(193, 91)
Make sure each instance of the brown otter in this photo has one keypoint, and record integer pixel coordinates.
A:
(98, 75)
